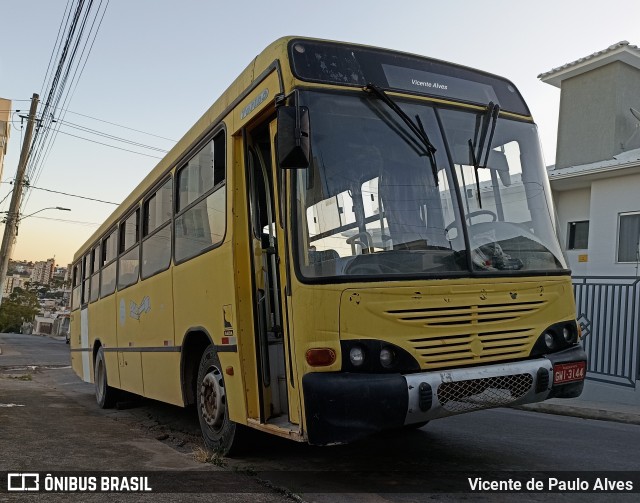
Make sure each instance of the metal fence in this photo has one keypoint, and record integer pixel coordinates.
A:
(608, 309)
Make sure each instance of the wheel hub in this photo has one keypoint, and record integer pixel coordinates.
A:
(212, 399)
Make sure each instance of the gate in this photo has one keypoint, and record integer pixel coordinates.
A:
(608, 310)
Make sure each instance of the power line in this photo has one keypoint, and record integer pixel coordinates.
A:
(120, 125)
(5, 197)
(58, 88)
(63, 24)
(66, 194)
(99, 120)
(67, 221)
(64, 79)
(107, 145)
(75, 195)
(74, 86)
(110, 136)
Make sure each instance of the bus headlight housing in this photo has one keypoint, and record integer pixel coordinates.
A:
(555, 338)
(376, 356)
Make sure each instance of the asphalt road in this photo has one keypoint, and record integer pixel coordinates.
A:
(60, 428)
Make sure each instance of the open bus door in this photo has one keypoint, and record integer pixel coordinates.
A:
(279, 398)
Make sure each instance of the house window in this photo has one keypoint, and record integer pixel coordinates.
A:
(578, 235)
(629, 237)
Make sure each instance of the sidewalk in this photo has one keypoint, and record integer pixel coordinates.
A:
(603, 411)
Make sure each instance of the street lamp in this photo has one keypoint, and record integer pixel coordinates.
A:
(31, 214)
(50, 208)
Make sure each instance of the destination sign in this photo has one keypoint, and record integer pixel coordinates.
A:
(440, 85)
(354, 66)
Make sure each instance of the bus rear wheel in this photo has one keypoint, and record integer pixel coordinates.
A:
(105, 395)
(220, 434)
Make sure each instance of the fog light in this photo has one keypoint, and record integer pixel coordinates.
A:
(549, 340)
(356, 356)
(387, 357)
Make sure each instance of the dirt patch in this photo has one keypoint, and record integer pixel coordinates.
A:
(23, 377)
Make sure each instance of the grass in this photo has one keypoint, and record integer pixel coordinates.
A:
(24, 377)
(205, 456)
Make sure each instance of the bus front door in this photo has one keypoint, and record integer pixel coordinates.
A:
(270, 327)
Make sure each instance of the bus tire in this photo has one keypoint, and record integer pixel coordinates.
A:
(220, 434)
(105, 395)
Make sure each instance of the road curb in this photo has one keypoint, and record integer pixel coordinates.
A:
(583, 412)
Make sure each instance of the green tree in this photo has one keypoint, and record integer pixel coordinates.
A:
(21, 305)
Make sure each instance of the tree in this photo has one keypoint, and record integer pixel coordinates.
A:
(21, 305)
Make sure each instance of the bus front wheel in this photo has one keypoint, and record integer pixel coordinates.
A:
(105, 394)
(220, 434)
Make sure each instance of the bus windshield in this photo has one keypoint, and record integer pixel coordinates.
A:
(376, 201)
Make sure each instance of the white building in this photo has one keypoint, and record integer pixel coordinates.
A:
(598, 207)
(13, 282)
(596, 188)
(596, 178)
(43, 272)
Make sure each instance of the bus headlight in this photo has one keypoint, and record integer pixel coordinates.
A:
(376, 356)
(556, 337)
(356, 356)
(387, 357)
(568, 334)
(549, 340)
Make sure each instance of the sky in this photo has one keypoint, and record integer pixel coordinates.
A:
(157, 65)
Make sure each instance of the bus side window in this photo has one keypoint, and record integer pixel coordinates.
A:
(95, 274)
(156, 230)
(77, 277)
(201, 213)
(129, 262)
(108, 259)
(86, 275)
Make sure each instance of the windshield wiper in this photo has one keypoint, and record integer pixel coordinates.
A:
(490, 119)
(416, 127)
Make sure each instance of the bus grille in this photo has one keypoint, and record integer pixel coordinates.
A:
(473, 394)
(474, 334)
(466, 315)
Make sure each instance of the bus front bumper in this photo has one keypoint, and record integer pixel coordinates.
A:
(342, 407)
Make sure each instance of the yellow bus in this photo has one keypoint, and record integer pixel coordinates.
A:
(350, 239)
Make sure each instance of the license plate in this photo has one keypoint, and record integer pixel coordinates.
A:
(569, 372)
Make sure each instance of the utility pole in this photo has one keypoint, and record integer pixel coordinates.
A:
(13, 218)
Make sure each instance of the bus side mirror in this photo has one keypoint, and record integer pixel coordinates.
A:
(293, 144)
